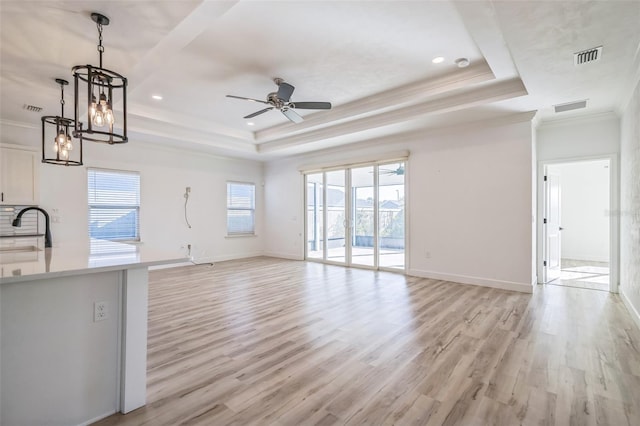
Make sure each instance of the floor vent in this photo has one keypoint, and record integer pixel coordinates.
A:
(590, 55)
(32, 108)
(570, 106)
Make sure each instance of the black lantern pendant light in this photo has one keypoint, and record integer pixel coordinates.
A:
(102, 85)
(64, 150)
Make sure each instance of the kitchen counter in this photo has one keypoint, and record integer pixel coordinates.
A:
(74, 259)
(73, 331)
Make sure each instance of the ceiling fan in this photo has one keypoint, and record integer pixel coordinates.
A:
(280, 100)
(398, 172)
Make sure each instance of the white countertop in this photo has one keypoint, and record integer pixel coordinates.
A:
(76, 259)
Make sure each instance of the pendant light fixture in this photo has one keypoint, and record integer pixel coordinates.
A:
(98, 96)
(59, 147)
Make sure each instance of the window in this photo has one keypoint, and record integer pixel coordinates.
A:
(241, 208)
(114, 204)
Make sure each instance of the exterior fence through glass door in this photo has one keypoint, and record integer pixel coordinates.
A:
(315, 216)
(391, 215)
(363, 216)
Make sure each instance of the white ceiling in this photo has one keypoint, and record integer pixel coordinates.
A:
(371, 59)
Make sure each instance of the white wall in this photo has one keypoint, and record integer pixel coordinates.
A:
(585, 209)
(164, 174)
(583, 137)
(470, 203)
(630, 205)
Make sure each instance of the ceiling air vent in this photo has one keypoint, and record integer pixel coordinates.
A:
(32, 108)
(590, 55)
(570, 106)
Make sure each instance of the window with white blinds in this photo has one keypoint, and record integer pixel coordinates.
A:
(241, 208)
(114, 204)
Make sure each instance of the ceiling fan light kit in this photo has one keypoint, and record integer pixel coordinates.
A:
(281, 100)
(64, 151)
(97, 86)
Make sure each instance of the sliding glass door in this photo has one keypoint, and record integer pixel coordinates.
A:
(336, 216)
(363, 216)
(315, 216)
(391, 215)
(356, 216)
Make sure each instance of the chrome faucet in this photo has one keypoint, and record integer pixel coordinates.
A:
(47, 228)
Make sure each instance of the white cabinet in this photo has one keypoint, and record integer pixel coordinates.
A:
(18, 175)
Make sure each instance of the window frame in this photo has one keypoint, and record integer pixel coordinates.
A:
(251, 233)
(137, 238)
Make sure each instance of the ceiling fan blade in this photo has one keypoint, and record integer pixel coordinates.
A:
(262, 111)
(292, 115)
(312, 105)
(285, 90)
(248, 99)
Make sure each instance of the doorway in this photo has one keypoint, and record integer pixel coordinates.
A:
(577, 224)
(355, 216)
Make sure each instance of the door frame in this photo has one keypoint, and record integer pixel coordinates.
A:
(614, 219)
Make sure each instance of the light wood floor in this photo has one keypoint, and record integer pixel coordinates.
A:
(276, 342)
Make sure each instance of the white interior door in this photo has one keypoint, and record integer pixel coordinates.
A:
(552, 228)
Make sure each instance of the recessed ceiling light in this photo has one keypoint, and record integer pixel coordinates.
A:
(157, 97)
(438, 60)
(250, 123)
(462, 62)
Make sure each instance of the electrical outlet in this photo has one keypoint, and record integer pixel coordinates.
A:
(100, 312)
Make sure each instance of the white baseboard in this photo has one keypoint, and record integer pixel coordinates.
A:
(229, 257)
(100, 417)
(632, 310)
(208, 260)
(464, 279)
(170, 265)
(284, 255)
(534, 284)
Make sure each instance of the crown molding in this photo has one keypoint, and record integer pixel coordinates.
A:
(184, 121)
(20, 124)
(580, 119)
(392, 142)
(402, 95)
(141, 140)
(491, 92)
(535, 121)
(188, 135)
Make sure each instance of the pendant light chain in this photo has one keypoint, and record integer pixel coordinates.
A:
(100, 46)
(62, 100)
